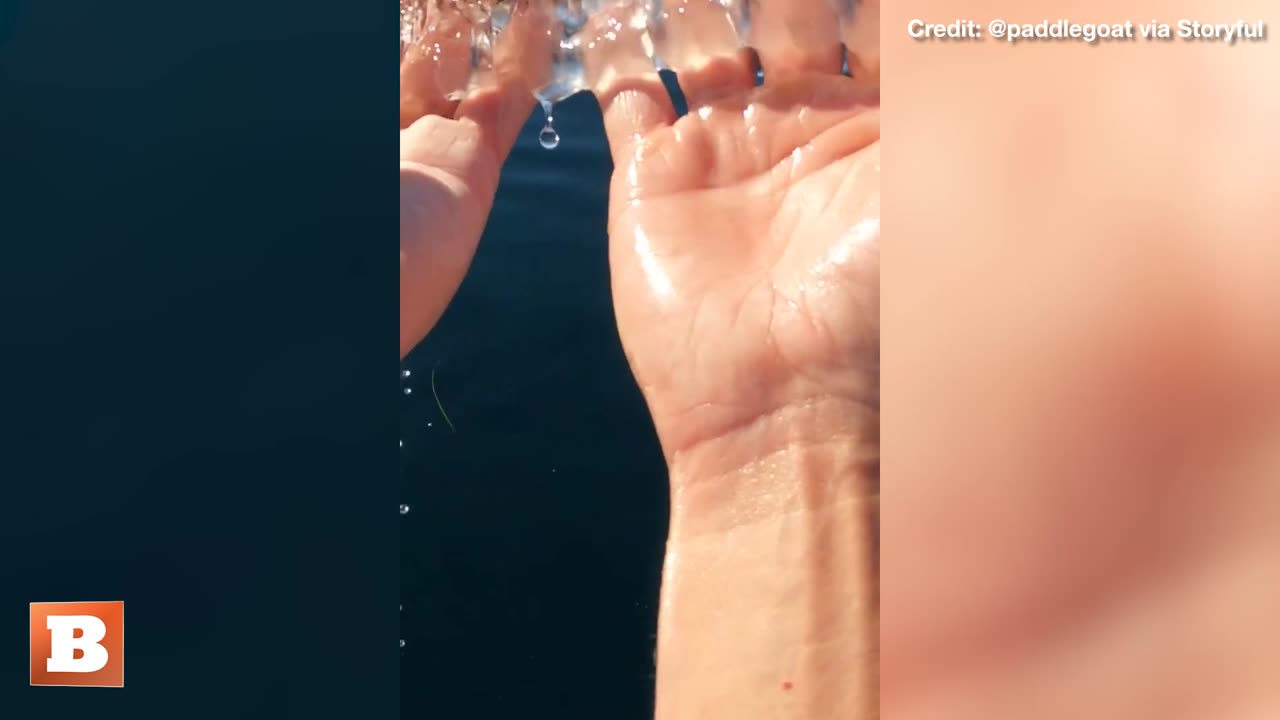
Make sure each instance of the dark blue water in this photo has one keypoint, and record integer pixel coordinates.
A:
(532, 549)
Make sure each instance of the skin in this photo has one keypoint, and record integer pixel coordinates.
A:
(450, 157)
(1132, 578)
(1083, 357)
(744, 248)
(744, 258)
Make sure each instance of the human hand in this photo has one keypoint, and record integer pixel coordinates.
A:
(744, 253)
(451, 153)
(744, 242)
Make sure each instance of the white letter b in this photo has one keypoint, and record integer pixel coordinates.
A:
(63, 644)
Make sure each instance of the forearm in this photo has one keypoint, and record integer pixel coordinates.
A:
(769, 600)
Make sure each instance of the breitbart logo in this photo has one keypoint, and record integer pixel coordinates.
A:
(77, 644)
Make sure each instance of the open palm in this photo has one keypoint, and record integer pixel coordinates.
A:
(744, 249)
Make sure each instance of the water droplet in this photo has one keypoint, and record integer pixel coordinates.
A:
(404, 509)
(549, 138)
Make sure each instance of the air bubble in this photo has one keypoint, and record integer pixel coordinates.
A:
(408, 391)
(401, 642)
(405, 373)
(404, 509)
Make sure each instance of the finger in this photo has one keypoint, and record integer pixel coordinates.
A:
(503, 97)
(702, 41)
(796, 36)
(435, 67)
(500, 112)
(420, 93)
(718, 77)
(634, 111)
(861, 29)
(532, 52)
(619, 70)
(839, 120)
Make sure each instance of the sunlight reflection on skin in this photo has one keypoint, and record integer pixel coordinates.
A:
(659, 280)
(860, 239)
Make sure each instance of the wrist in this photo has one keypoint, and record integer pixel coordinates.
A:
(769, 599)
(803, 457)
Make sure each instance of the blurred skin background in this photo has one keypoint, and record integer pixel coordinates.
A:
(1081, 370)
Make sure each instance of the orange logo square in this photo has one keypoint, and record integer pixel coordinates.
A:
(77, 644)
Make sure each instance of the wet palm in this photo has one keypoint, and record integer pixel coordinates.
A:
(744, 247)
